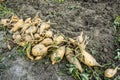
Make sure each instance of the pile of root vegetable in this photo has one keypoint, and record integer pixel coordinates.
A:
(42, 41)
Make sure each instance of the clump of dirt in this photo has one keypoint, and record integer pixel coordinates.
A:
(94, 17)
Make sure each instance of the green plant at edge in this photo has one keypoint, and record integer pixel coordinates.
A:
(4, 11)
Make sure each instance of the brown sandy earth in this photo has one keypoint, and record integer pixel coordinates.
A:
(93, 17)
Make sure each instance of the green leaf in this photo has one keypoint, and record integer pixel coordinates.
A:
(5, 11)
(57, 59)
(117, 78)
(117, 56)
(84, 76)
(76, 74)
(117, 21)
(118, 38)
(28, 47)
(96, 76)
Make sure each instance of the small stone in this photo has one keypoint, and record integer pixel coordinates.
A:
(96, 33)
(105, 50)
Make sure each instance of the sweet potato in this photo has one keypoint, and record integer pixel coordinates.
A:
(58, 55)
(72, 59)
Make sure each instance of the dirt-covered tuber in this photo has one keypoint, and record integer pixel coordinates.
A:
(109, 73)
(39, 50)
(58, 55)
(72, 59)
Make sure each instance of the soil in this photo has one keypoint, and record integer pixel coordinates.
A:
(93, 17)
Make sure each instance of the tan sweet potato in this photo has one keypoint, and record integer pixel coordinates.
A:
(58, 55)
(72, 59)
